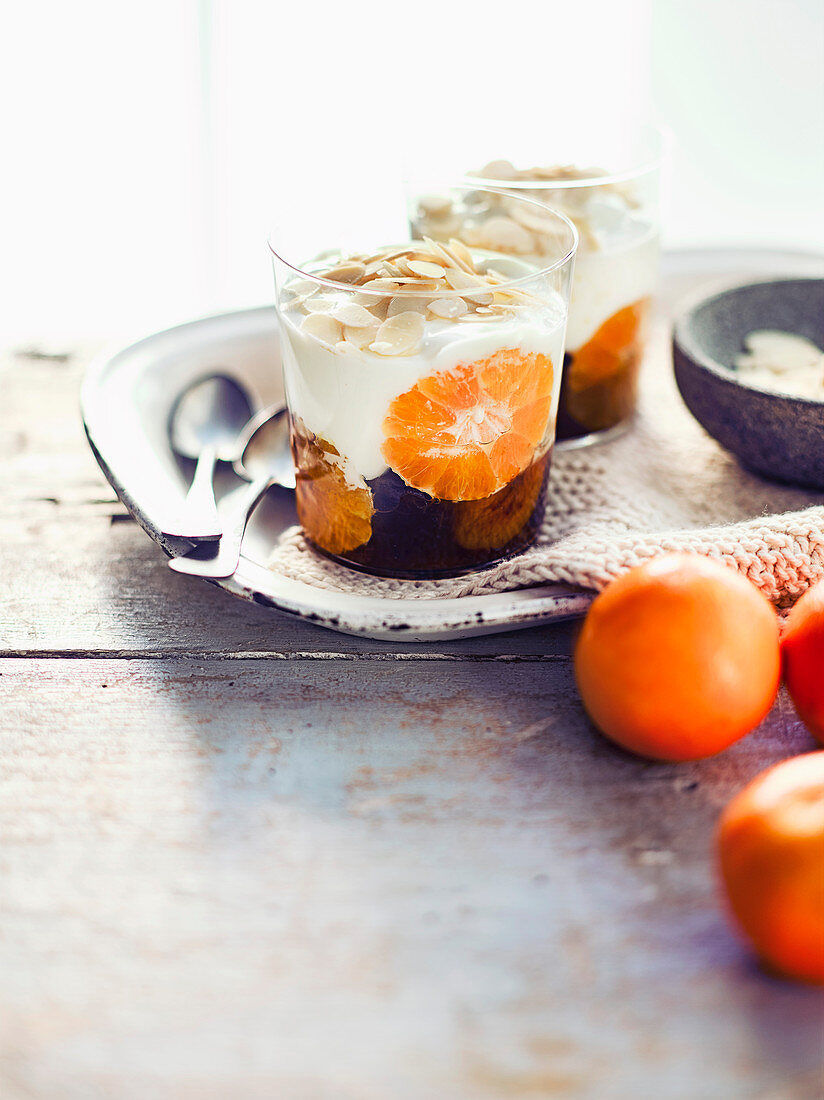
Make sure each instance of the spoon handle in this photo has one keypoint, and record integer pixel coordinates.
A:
(200, 509)
(224, 563)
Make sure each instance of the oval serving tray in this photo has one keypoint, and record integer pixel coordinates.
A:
(126, 400)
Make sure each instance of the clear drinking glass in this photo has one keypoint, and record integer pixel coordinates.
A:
(422, 382)
(616, 212)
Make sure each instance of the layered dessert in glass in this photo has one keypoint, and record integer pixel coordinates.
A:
(616, 216)
(422, 380)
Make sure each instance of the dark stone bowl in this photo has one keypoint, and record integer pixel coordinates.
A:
(777, 436)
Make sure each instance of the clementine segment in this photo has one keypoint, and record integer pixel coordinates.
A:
(463, 434)
(609, 350)
(678, 658)
(802, 649)
(335, 515)
(770, 843)
(493, 522)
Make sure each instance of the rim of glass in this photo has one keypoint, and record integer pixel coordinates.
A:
(450, 292)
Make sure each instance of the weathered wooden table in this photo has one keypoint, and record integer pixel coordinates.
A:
(241, 857)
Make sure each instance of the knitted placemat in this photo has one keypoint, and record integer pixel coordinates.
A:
(663, 485)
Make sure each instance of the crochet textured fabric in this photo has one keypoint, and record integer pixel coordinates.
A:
(663, 485)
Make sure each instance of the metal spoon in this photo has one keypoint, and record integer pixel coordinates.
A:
(205, 424)
(264, 461)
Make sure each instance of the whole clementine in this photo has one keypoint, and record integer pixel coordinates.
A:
(678, 658)
(770, 843)
(802, 649)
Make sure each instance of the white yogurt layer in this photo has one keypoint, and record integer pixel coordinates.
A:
(608, 280)
(343, 393)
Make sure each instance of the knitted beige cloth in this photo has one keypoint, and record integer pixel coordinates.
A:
(664, 485)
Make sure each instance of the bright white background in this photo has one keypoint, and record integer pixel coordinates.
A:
(148, 147)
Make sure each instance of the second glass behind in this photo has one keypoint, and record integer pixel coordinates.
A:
(616, 214)
(422, 380)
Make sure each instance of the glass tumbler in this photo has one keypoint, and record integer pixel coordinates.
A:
(422, 382)
(615, 211)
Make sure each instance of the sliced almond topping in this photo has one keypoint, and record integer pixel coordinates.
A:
(459, 279)
(435, 206)
(440, 253)
(303, 288)
(426, 269)
(505, 235)
(462, 254)
(399, 335)
(322, 327)
(345, 273)
(407, 303)
(319, 304)
(360, 337)
(353, 315)
(448, 308)
(529, 218)
(481, 298)
(476, 316)
(387, 286)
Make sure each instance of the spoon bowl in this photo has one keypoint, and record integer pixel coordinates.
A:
(263, 460)
(212, 412)
(264, 448)
(205, 424)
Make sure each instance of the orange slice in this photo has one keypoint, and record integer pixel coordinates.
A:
(463, 434)
(493, 522)
(611, 350)
(335, 515)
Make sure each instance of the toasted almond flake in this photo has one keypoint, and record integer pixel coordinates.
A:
(426, 269)
(529, 218)
(448, 308)
(303, 288)
(498, 170)
(414, 282)
(505, 235)
(402, 264)
(319, 304)
(459, 279)
(435, 206)
(372, 268)
(441, 253)
(480, 298)
(399, 335)
(348, 272)
(360, 337)
(411, 303)
(353, 315)
(322, 327)
(462, 254)
(388, 286)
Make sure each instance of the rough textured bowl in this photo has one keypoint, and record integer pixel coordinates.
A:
(777, 436)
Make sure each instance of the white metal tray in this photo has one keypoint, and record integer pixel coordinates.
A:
(127, 398)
